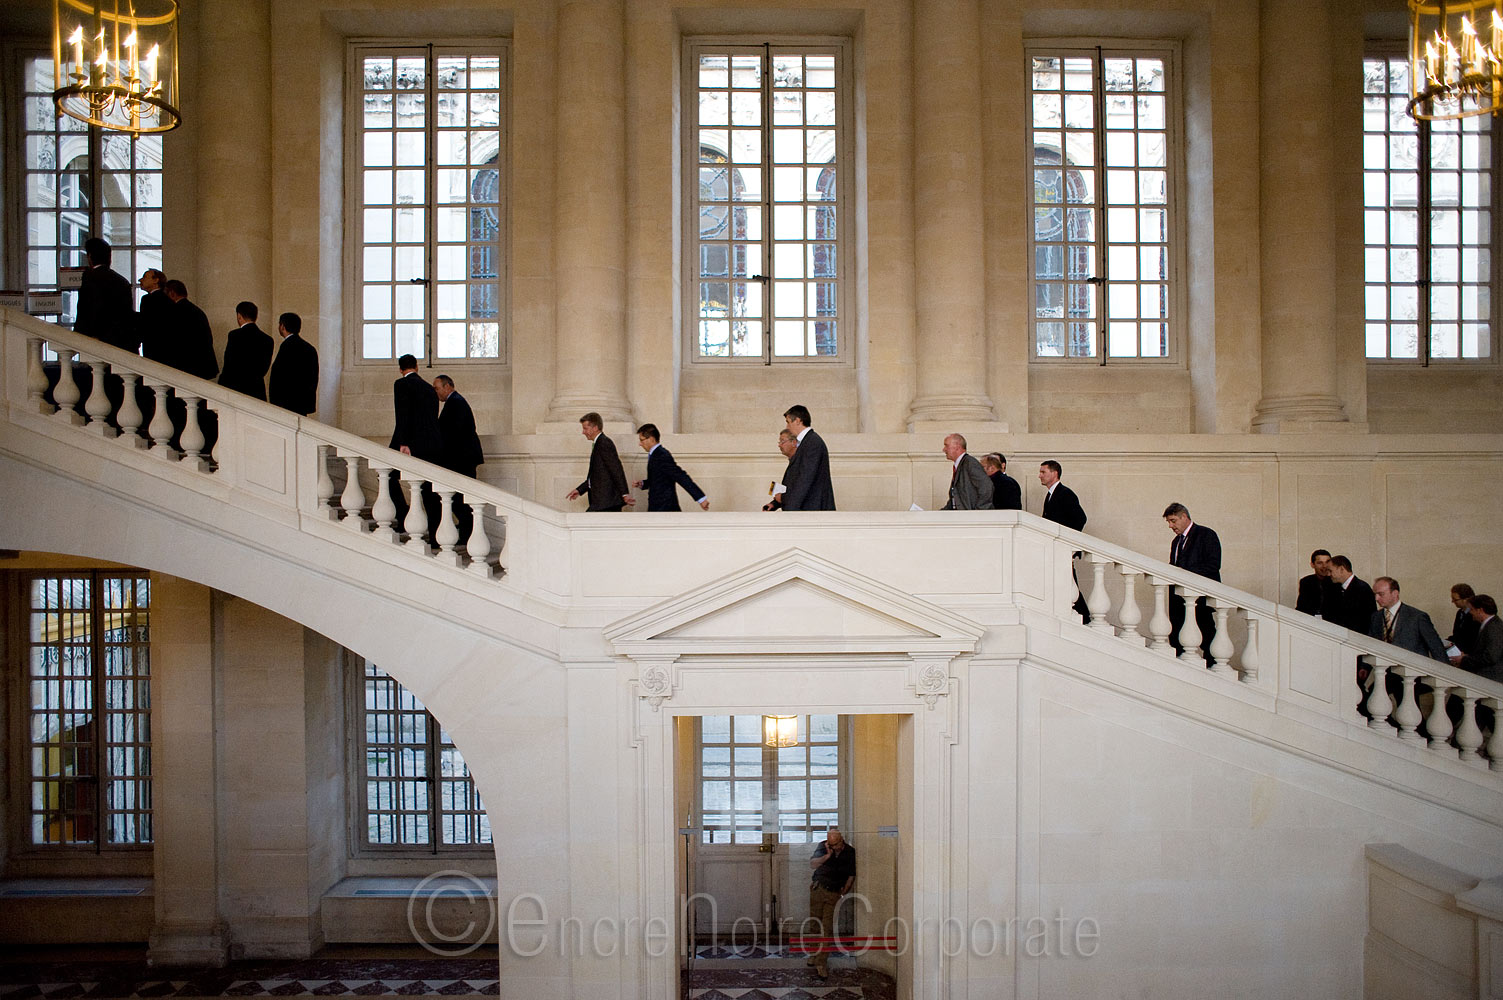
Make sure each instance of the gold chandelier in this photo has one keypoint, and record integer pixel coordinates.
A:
(780, 730)
(115, 63)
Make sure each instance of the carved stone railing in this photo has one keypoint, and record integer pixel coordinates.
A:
(325, 474)
(1267, 646)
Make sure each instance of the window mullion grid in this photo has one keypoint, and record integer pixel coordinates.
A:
(1100, 278)
(767, 277)
(435, 814)
(1426, 247)
(430, 211)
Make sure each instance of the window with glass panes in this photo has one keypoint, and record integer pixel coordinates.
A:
(88, 729)
(1102, 141)
(1427, 225)
(749, 790)
(430, 229)
(80, 181)
(768, 232)
(418, 793)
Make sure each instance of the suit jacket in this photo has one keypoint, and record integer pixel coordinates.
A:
(456, 424)
(416, 405)
(1353, 607)
(1315, 594)
(294, 376)
(1464, 631)
(1199, 552)
(190, 341)
(1412, 630)
(1063, 507)
(969, 487)
(107, 309)
(606, 484)
(247, 356)
(1006, 493)
(808, 476)
(154, 325)
(1487, 660)
(664, 477)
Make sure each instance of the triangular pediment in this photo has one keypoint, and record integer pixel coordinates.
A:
(794, 602)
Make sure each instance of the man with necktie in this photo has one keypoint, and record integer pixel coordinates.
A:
(1196, 549)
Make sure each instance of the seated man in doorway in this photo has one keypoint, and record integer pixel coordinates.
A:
(834, 865)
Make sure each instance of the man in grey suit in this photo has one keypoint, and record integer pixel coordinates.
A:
(970, 489)
(1403, 625)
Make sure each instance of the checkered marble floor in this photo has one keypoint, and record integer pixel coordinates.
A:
(314, 977)
(788, 984)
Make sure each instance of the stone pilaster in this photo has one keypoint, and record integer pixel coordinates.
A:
(590, 215)
(950, 259)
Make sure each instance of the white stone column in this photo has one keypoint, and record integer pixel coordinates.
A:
(1298, 219)
(949, 225)
(189, 929)
(590, 215)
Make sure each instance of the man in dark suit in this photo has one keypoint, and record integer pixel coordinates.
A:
(294, 374)
(1487, 658)
(462, 451)
(787, 444)
(1197, 549)
(1464, 629)
(1403, 624)
(606, 483)
(1006, 493)
(1062, 506)
(1353, 603)
(154, 318)
(415, 405)
(970, 489)
(190, 339)
(664, 476)
(247, 354)
(1317, 589)
(106, 306)
(808, 476)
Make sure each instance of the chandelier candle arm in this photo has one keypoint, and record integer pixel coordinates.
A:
(121, 73)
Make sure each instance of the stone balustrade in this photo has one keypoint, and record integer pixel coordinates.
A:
(342, 489)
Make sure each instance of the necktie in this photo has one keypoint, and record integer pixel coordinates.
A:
(1179, 543)
(1388, 626)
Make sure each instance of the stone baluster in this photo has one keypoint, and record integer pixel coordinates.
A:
(1468, 735)
(1408, 715)
(352, 500)
(478, 545)
(1099, 602)
(446, 535)
(36, 377)
(416, 523)
(129, 417)
(1221, 648)
(1252, 657)
(160, 427)
(1189, 630)
(384, 510)
(326, 482)
(1379, 705)
(192, 438)
(1495, 741)
(1130, 614)
(97, 406)
(65, 394)
(1438, 722)
(1159, 625)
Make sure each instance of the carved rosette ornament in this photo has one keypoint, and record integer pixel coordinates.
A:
(932, 681)
(655, 684)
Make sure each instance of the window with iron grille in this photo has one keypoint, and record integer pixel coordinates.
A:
(88, 710)
(1428, 240)
(768, 164)
(1103, 148)
(417, 791)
